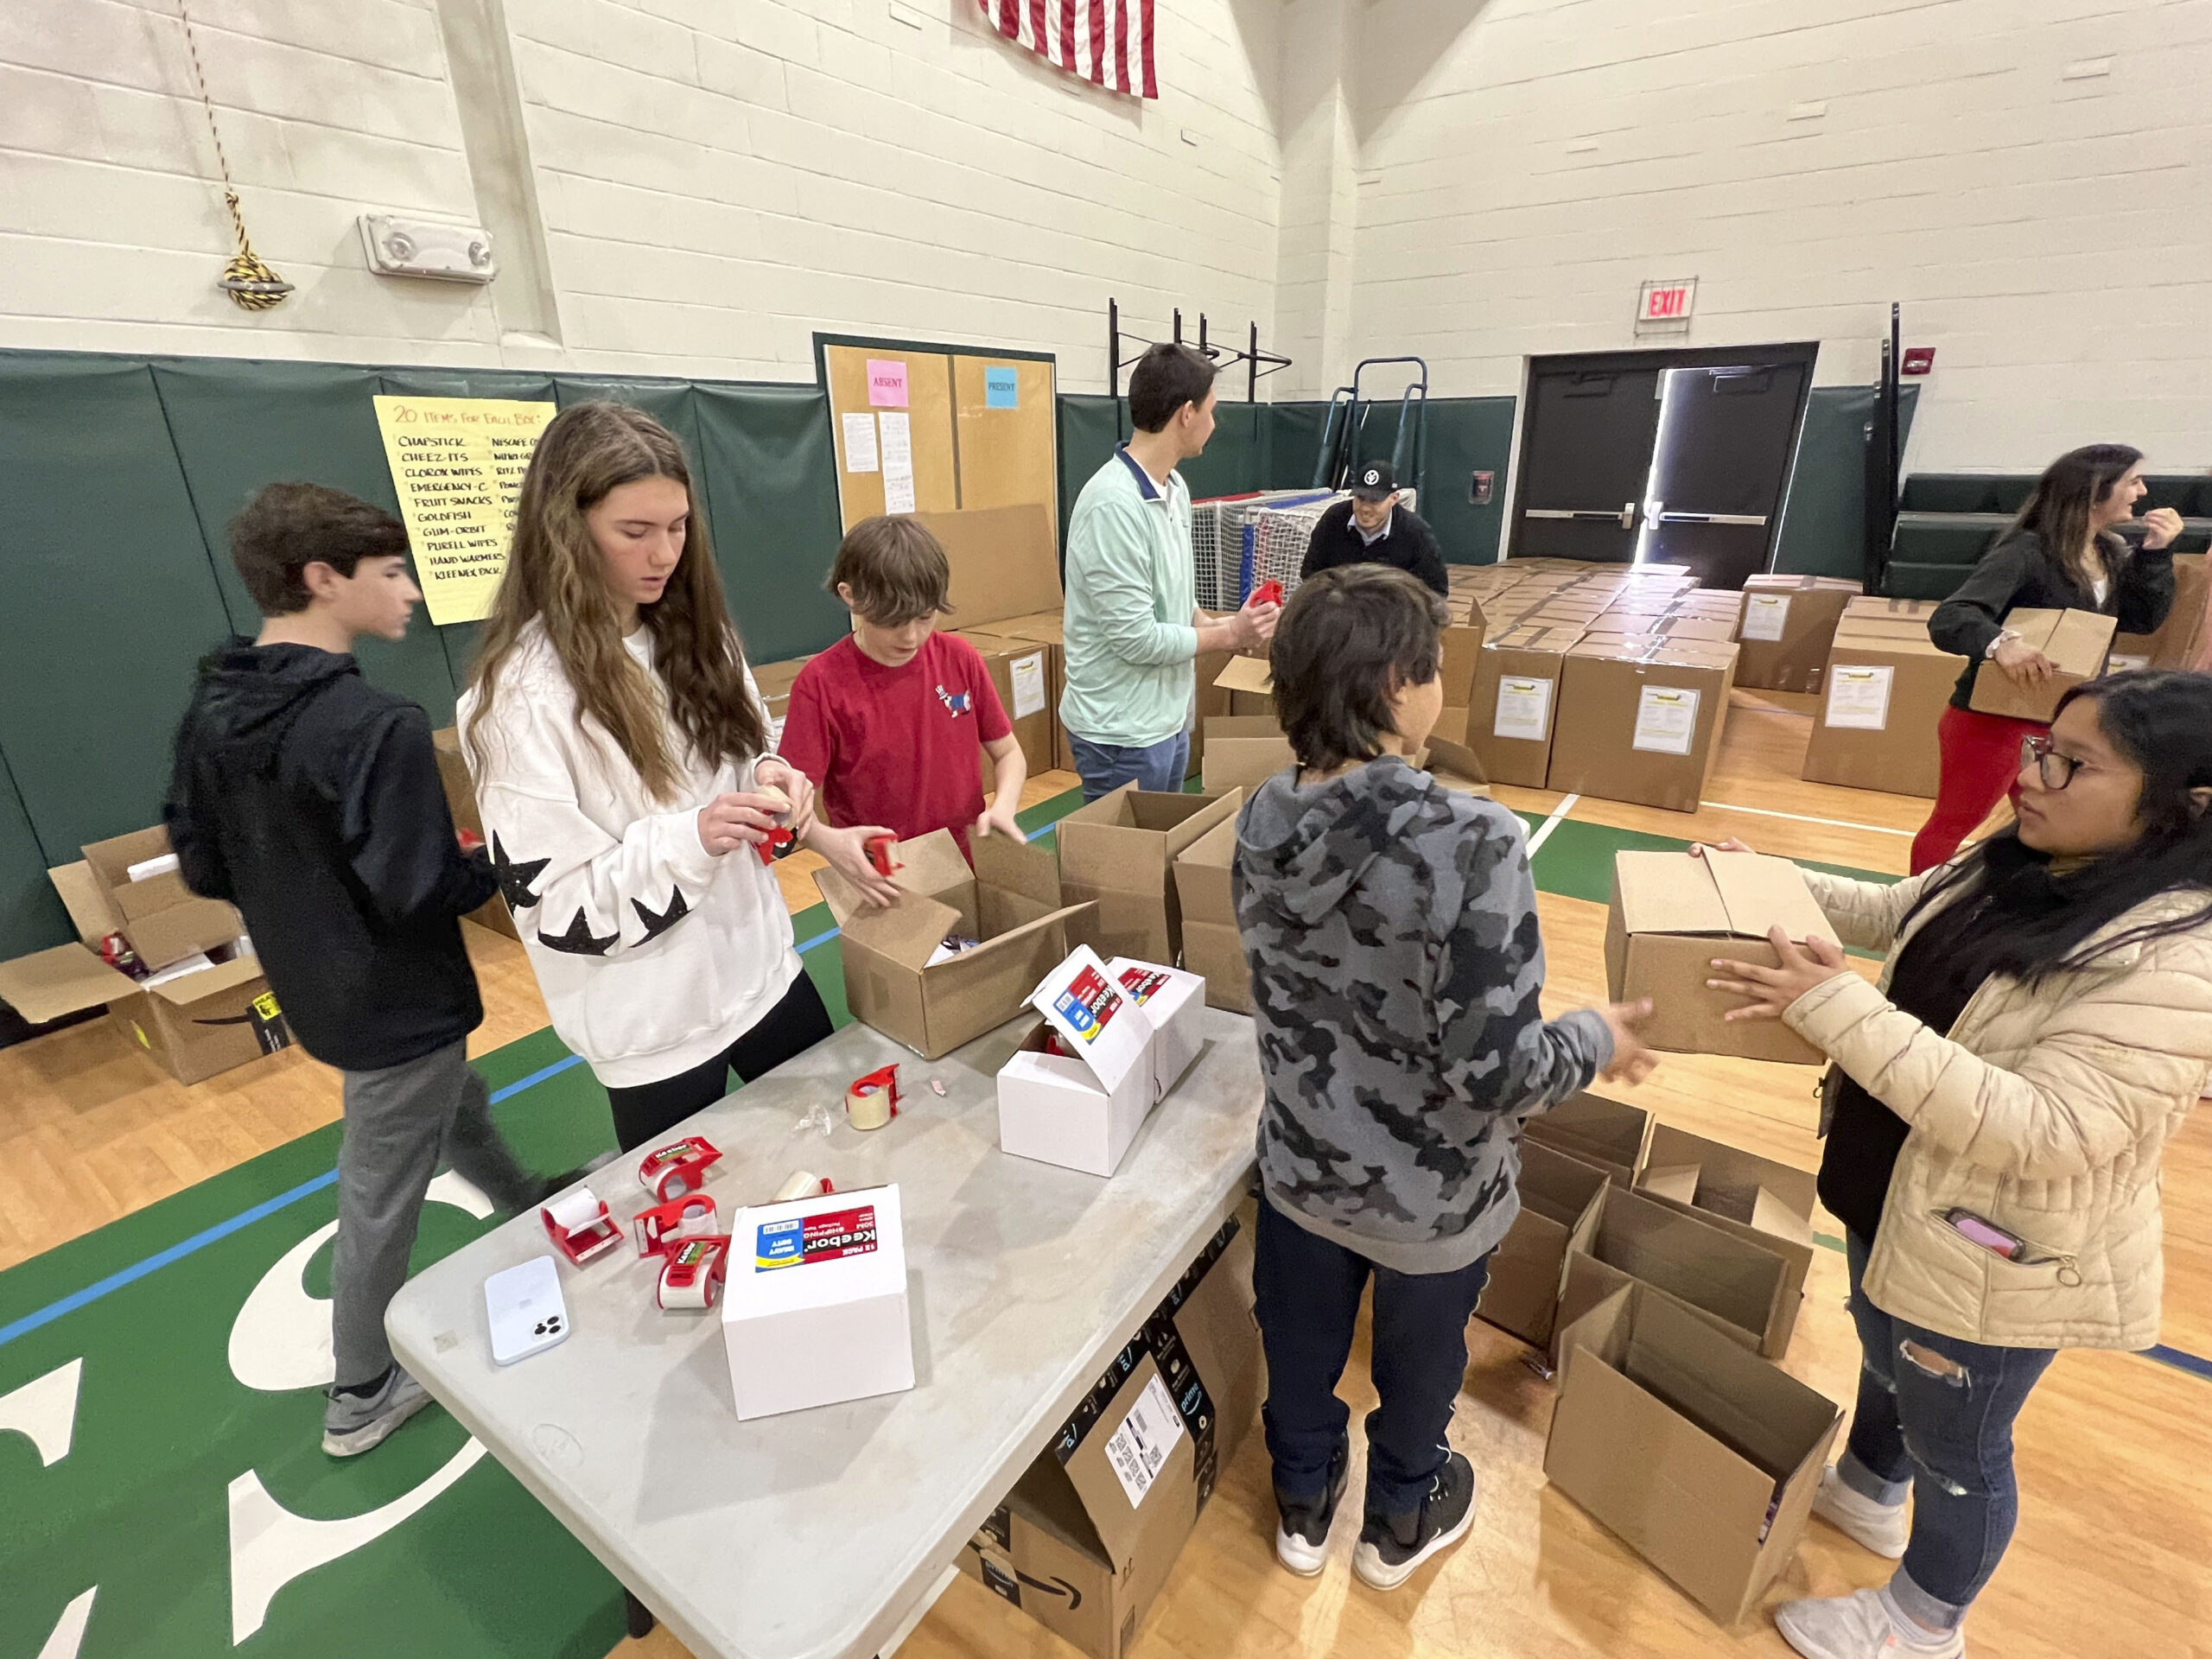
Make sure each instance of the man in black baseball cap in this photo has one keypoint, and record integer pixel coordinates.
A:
(1373, 527)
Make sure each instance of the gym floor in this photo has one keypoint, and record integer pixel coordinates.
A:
(167, 1499)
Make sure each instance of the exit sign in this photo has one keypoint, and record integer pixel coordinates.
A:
(1665, 307)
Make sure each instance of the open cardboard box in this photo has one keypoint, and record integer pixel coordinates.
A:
(1212, 946)
(1775, 1199)
(1673, 914)
(460, 803)
(1118, 853)
(1562, 1199)
(1609, 1135)
(1739, 1281)
(1011, 901)
(1641, 722)
(1087, 1538)
(1242, 751)
(2076, 642)
(1080, 1086)
(1789, 624)
(1173, 1001)
(163, 920)
(1250, 685)
(2173, 642)
(814, 1308)
(1701, 1458)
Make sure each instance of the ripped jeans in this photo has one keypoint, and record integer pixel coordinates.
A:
(1935, 1415)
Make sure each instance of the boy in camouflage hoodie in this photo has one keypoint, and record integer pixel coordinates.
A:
(1391, 929)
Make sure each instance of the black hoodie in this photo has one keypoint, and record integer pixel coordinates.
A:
(310, 799)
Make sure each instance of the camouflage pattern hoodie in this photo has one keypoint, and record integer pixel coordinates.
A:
(1391, 928)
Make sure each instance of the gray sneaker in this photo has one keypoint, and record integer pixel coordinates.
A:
(353, 1423)
(1391, 1546)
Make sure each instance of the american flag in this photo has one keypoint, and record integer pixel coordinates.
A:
(1105, 42)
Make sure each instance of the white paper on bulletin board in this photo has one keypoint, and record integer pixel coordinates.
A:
(898, 462)
(457, 464)
(859, 442)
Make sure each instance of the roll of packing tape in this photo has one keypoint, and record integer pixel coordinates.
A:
(576, 1209)
(868, 1105)
(804, 1184)
(691, 1274)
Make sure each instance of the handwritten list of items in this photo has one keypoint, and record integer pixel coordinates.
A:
(457, 464)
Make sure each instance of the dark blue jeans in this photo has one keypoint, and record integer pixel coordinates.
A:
(1306, 1297)
(1105, 767)
(1935, 1415)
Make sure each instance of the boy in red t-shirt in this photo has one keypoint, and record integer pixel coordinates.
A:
(887, 721)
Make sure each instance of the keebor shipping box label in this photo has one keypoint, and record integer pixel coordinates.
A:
(801, 1241)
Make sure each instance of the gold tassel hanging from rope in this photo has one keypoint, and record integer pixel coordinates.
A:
(246, 278)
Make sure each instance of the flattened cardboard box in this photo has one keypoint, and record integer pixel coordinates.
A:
(1011, 902)
(2077, 643)
(1242, 751)
(1118, 853)
(1702, 1459)
(1212, 947)
(1880, 699)
(1562, 1201)
(1672, 914)
(1088, 1536)
(1789, 624)
(1737, 1284)
(460, 803)
(1641, 723)
(1511, 721)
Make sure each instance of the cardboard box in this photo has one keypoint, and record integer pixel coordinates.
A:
(1753, 1199)
(1005, 561)
(1453, 766)
(1562, 1201)
(1515, 707)
(1081, 1086)
(1046, 628)
(2174, 643)
(1881, 697)
(1673, 913)
(1083, 1548)
(1641, 723)
(460, 803)
(1675, 624)
(1212, 947)
(1702, 1459)
(2076, 642)
(1740, 1286)
(1012, 902)
(1021, 673)
(1174, 1003)
(814, 1308)
(1250, 684)
(1608, 1135)
(1117, 853)
(1906, 610)
(163, 920)
(1462, 641)
(1243, 752)
(1789, 624)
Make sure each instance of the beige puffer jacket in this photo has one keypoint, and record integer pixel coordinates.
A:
(2045, 1111)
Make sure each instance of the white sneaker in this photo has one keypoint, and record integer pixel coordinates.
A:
(1856, 1627)
(1883, 1528)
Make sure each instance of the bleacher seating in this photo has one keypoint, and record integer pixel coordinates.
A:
(1946, 521)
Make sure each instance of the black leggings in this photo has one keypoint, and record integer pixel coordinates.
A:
(646, 1113)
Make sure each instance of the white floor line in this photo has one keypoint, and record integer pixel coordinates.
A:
(1544, 830)
(1799, 817)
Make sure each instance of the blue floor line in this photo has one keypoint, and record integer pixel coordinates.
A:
(2180, 1361)
(223, 1229)
(819, 938)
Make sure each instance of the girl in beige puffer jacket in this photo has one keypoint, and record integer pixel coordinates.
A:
(1999, 1106)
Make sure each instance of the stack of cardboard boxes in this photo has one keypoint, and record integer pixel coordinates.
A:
(1789, 624)
(1006, 600)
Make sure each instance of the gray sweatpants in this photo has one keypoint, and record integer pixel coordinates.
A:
(399, 1121)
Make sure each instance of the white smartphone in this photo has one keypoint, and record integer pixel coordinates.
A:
(527, 1313)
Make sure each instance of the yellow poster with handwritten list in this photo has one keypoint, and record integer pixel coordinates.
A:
(457, 464)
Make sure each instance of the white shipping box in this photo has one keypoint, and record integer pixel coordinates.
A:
(818, 1313)
(1082, 1107)
(1174, 1005)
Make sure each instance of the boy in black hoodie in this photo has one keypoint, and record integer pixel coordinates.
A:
(310, 799)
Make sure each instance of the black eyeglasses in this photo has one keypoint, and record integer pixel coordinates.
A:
(2056, 770)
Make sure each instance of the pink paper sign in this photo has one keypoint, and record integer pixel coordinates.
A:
(887, 383)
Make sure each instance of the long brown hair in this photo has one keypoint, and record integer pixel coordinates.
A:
(556, 574)
(2071, 489)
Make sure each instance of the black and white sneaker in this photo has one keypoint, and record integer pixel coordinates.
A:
(1391, 1546)
(1302, 1530)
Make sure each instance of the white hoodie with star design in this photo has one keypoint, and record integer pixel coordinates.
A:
(654, 955)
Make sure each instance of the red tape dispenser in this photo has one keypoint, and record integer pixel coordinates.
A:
(661, 1229)
(873, 1101)
(670, 1172)
(879, 854)
(782, 840)
(579, 1225)
(691, 1274)
(1268, 593)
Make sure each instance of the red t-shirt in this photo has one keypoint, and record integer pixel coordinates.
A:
(896, 746)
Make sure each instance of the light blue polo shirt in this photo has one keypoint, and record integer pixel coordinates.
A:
(1131, 592)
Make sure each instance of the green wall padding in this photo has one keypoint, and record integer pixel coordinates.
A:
(1293, 445)
(1467, 436)
(1234, 461)
(111, 598)
(31, 917)
(773, 495)
(1824, 521)
(1089, 427)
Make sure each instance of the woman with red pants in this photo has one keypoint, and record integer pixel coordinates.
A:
(2060, 554)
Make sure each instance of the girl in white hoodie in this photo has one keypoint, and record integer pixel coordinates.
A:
(620, 753)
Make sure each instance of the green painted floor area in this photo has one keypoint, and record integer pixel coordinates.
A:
(164, 1437)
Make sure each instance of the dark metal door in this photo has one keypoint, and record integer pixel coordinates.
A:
(1727, 436)
(1585, 453)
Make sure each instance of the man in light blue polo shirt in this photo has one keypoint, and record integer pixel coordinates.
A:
(1133, 624)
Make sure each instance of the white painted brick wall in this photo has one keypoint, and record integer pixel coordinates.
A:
(2049, 237)
(718, 179)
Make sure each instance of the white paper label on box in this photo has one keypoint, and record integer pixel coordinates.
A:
(1524, 708)
(1766, 615)
(859, 443)
(1028, 673)
(1666, 719)
(1858, 697)
(1139, 1448)
(897, 462)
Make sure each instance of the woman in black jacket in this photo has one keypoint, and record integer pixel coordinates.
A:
(2060, 554)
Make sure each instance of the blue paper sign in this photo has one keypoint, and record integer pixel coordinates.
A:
(1002, 388)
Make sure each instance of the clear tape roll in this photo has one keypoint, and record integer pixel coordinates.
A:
(868, 1108)
(688, 1278)
(575, 1209)
(803, 1184)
